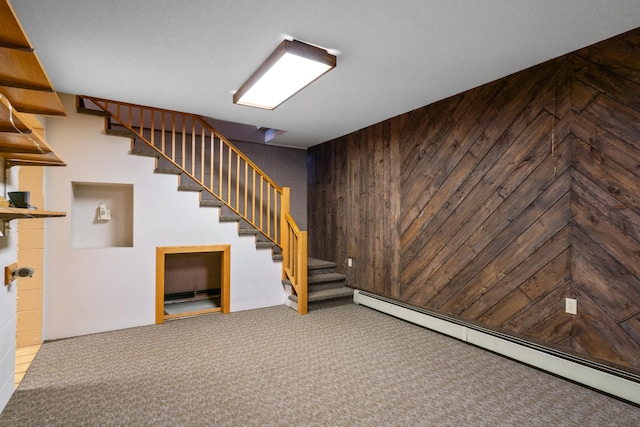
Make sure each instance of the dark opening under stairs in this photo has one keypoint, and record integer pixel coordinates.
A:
(324, 284)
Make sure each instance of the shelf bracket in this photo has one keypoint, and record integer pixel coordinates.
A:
(8, 273)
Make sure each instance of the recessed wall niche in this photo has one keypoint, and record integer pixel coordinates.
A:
(92, 230)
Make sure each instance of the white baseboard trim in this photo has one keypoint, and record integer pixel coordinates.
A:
(590, 376)
(288, 290)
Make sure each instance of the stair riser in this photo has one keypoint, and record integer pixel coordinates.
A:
(323, 286)
(191, 188)
(316, 287)
(334, 277)
(91, 112)
(167, 171)
(311, 298)
(265, 245)
(317, 271)
(247, 232)
(121, 133)
(144, 153)
(210, 204)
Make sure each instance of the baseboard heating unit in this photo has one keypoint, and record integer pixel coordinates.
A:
(609, 380)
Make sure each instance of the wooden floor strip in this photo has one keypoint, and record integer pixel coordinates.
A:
(24, 357)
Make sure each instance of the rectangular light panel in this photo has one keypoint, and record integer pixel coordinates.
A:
(290, 68)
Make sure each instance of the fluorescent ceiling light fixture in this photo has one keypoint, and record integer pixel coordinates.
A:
(289, 69)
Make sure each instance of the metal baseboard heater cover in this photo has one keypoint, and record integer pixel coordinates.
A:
(609, 380)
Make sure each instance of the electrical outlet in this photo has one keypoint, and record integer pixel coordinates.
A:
(349, 262)
(571, 305)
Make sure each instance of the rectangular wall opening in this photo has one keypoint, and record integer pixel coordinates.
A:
(191, 280)
(92, 230)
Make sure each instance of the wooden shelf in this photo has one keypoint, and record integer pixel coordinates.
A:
(26, 144)
(22, 77)
(7, 214)
(26, 91)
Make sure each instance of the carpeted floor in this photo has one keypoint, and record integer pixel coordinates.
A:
(344, 365)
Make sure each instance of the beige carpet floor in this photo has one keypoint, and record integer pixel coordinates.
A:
(343, 365)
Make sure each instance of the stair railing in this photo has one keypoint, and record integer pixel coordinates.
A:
(191, 144)
(294, 251)
(207, 157)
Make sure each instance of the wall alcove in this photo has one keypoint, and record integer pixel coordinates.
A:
(89, 231)
(192, 280)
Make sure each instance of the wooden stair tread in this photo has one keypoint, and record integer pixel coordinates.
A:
(211, 203)
(167, 170)
(325, 294)
(314, 263)
(189, 187)
(327, 277)
(122, 133)
(144, 153)
(92, 112)
(247, 231)
(265, 245)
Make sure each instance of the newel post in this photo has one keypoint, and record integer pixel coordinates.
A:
(285, 208)
(301, 268)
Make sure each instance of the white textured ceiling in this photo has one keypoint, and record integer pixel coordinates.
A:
(393, 56)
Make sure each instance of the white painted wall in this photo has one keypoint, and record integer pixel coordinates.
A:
(102, 289)
(8, 255)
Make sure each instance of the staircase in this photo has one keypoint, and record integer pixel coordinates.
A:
(185, 145)
(324, 283)
(185, 183)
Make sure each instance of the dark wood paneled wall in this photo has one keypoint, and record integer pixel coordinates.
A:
(497, 204)
(355, 205)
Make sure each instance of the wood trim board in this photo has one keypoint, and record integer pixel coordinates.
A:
(161, 251)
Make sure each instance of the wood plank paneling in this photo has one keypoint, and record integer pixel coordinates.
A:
(354, 205)
(497, 204)
(492, 135)
(545, 269)
(530, 321)
(454, 299)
